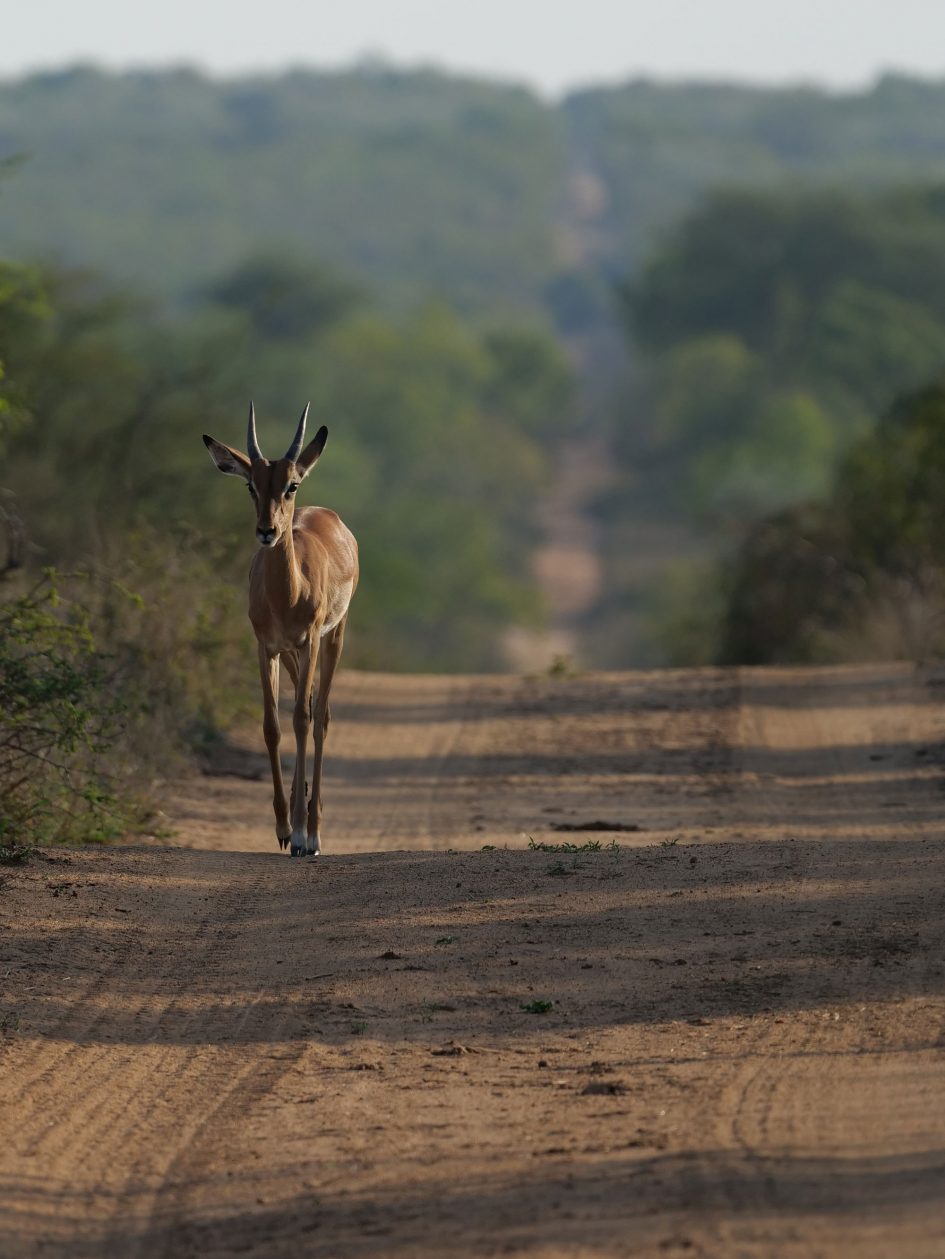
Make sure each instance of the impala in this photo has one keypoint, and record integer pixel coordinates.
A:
(300, 586)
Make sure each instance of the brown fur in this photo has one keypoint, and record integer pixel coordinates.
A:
(301, 582)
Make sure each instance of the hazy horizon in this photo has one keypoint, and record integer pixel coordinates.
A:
(370, 60)
(600, 41)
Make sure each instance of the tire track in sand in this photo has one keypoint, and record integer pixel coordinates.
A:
(119, 1082)
(811, 1096)
(226, 1052)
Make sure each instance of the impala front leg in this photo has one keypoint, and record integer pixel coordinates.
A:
(303, 844)
(269, 675)
(332, 644)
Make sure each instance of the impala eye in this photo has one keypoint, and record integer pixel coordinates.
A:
(290, 490)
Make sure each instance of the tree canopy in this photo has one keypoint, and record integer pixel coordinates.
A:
(776, 327)
(860, 573)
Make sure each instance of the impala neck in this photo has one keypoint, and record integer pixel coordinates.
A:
(284, 577)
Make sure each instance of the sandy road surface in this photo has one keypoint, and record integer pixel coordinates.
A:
(215, 1052)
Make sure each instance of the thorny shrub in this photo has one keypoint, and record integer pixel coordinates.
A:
(105, 684)
(60, 721)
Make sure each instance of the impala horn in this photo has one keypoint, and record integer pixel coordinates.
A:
(296, 448)
(252, 445)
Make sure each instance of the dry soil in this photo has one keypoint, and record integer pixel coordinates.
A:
(720, 1034)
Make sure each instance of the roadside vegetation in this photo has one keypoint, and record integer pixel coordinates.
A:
(61, 718)
(860, 573)
(430, 260)
(104, 398)
(775, 331)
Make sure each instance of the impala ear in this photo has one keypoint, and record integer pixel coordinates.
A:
(309, 456)
(232, 462)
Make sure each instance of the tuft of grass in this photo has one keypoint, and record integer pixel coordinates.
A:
(561, 667)
(538, 1007)
(670, 843)
(359, 1028)
(14, 854)
(446, 940)
(9, 1022)
(560, 871)
(591, 845)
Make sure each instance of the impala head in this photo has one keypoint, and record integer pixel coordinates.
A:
(272, 484)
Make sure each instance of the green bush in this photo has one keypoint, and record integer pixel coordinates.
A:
(61, 720)
(861, 574)
(176, 630)
(106, 685)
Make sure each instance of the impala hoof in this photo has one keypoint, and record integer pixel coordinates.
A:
(304, 846)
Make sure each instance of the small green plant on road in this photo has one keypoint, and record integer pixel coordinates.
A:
(591, 845)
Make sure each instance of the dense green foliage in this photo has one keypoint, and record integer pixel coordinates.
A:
(658, 149)
(861, 574)
(778, 327)
(439, 439)
(772, 330)
(373, 239)
(417, 183)
(60, 720)
(391, 246)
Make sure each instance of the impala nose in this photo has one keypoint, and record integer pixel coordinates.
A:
(266, 536)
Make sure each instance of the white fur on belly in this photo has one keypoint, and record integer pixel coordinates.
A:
(338, 608)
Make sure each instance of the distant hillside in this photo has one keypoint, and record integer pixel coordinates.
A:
(656, 150)
(295, 229)
(417, 183)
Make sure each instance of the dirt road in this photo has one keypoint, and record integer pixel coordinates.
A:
(724, 1038)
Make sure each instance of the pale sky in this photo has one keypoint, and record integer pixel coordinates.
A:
(550, 44)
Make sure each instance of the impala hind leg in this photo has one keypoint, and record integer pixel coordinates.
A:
(302, 843)
(269, 676)
(290, 660)
(332, 644)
